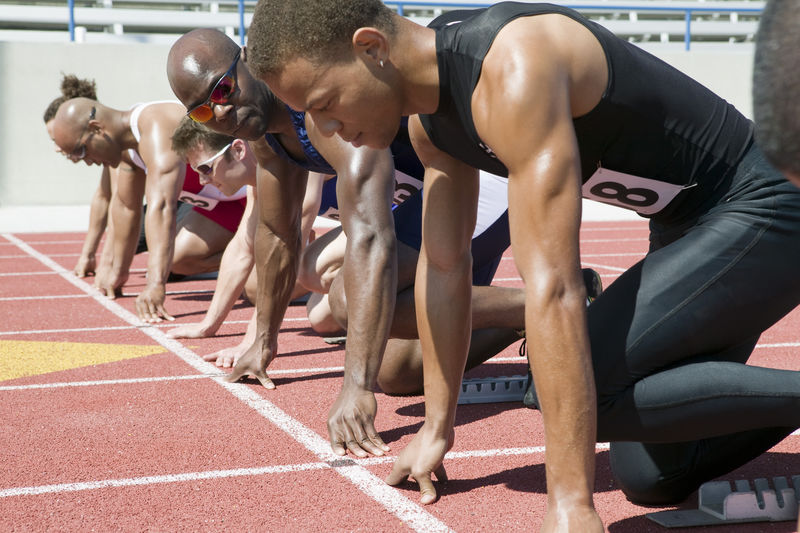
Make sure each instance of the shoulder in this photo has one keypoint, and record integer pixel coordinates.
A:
(161, 116)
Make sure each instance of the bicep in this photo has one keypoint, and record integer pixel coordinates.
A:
(129, 187)
(529, 126)
(365, 189)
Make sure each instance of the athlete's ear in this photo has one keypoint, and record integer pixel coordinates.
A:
(239, 149)
(95, 126)
(372, 44)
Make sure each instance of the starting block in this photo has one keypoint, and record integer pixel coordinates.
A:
(721, 504)
(493, 390)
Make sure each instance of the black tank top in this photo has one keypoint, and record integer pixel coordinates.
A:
(653, 121)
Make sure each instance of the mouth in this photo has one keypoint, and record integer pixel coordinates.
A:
(356, 141)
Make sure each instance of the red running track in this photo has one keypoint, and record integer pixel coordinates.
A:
(160, 443)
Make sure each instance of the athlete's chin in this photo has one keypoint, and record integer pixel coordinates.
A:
(249, 128)
(369, 141)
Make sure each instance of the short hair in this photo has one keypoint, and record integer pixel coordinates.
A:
(776, 84)
(71, 87)
(318, 30)
(189, 134)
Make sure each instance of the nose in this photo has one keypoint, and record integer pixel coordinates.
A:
(221, 111)
(327, 126)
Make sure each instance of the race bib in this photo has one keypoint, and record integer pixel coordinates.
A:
(196, 200)
(405, 186)
(643, 195)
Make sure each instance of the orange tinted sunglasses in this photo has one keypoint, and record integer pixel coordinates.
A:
(220, 94)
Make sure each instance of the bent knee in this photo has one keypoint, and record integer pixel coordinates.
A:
(397, 386)
(646, 482)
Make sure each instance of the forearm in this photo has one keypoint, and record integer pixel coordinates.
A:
(444, 322)
(235, 267)
(371, 292)
(561, 366)
(160, 233)
(276, 266)
(126, 224)
(98, 219)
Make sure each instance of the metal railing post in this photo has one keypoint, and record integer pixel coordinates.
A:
(687, 38)
(71, 8)
(241, 22)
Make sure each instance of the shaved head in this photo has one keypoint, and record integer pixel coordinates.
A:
(70, 121)
(196, 63)
(195, 58)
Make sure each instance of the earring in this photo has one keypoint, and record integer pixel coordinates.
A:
(380, 62)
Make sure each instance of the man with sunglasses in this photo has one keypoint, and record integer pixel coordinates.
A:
(230, 165)
(201, 62)
(135, 142)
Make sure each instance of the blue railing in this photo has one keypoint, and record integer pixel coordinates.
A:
(400, 6)
(687, 11)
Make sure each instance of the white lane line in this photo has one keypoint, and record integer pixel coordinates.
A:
(65, 384)
(139, 326)
(59, 297)
(595, 265)
(23, 256)
(44, 242)
(152, 480)
(100, 382)
(6, 274)
(411, 513)
(255, 471)
(168, 293)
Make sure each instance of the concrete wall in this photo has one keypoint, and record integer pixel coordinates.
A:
(32, 173)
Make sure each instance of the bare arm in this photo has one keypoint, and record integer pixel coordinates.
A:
(523, 110)
(280, 191)
(364, 191)
(165, 175)
(311, 203)
(237, 262)
(126, 213)
(98, 219)
(443, 294)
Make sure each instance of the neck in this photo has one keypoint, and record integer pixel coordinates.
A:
(417, 65)
(278, 120)
(120, 128)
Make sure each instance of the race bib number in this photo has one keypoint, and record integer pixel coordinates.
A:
(643, 195)
(198, 201)
(405, 186)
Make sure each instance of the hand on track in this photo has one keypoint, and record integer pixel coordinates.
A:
(423, 456)
(351, 423)
(254, 362)
(227, 357)
(86, 266)
(150, 304)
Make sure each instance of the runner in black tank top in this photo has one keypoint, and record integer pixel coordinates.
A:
(670, 337)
